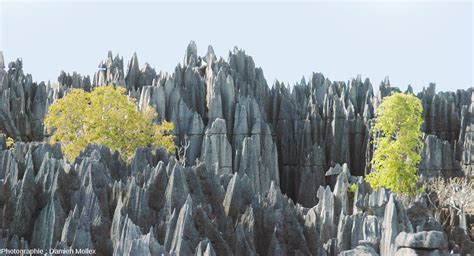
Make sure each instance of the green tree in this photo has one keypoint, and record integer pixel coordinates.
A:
(398, 144)
(105, 116)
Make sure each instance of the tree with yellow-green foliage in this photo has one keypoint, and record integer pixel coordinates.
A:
(10, 142)
(398, 144)
(105, 116)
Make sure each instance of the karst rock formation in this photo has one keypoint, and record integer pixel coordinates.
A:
(265, 170)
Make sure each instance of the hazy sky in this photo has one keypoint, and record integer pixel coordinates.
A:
(413, 43)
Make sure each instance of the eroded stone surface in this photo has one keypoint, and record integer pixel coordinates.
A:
(252, 180)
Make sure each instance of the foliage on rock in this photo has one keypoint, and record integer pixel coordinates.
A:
(105, 116)
(352, 188)
(398, 144)
(10, 142)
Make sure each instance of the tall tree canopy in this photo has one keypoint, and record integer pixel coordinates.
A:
(398, 143)
(105, 116)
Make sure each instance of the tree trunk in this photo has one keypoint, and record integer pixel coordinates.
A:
(463, 220)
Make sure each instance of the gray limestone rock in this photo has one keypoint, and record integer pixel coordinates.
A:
(251, 179)
(132, 75)
(325, 209)
(438, 158)
(414, 252)
(74, 81)
(195, 135)
(185, 235)
(341, 200)
(371, 230)
(239, 194)
(360, 251)
(2, 61)
(395, 221)
(177, 190)
(425, 240)
(26, 209)
(156, 187)
(216, 149)
(344, 233)
(311, 231)
(191, 57)
(312, 177)
(48, 225)
(154, 96)
(377, 200)
(205, 248)
(357, 228)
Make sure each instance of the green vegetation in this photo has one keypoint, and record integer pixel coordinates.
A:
(10, 142)
(105, 116)
(398, 144)
(352, 188)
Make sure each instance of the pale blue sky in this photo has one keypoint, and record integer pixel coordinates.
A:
(413, 43)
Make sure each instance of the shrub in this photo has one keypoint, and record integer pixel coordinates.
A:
(10, 142)
(398, 144)
(454, 193)
(352, 188)
(105, 116)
